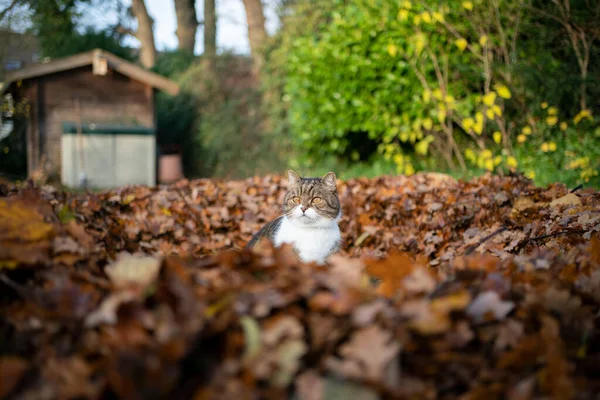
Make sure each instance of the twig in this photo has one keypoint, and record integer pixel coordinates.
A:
(576, 188)
(473, 247)
(569, 232)
(8, 9)
(126, 31)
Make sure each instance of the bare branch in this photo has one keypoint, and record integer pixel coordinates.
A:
(8, 9)
(126, 31)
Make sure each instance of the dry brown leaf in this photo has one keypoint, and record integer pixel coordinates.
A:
(11, 370)
(133, 271)
(488, 306)
(425, 319)
(367, 355)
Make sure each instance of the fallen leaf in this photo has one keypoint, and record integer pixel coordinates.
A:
(11, 370)
(133, 271)
(367, 355)
(106, 313)
(570, 199)
(488, 305)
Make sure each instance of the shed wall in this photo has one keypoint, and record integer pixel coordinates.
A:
(79, 95)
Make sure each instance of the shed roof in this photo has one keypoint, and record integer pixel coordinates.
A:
(88, 58)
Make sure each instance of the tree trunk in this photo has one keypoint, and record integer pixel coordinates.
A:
(187, 24)
(257, 34)
(210, 29)
(144, 33)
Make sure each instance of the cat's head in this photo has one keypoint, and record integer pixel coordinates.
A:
(312, 201)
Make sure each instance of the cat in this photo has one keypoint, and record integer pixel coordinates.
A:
(310, 221)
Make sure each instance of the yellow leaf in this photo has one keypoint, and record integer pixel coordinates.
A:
(497, 137)
(497, 160)
(407, 4)
(419, 43)
(461, 43)
(489, 99)
(552, 111)
(128, 199)
(470, 155)
(544, 105)
(511, 162)
(552, 146)
(417, 20)
(552, 120)
(25, 236)
(563, 126)
(581, 115)
(21, 222)
(487, 153)
(409, 169)
(503, 91)
(398, 159)
(438, 16)
(468, 123)
(544, 147)
(441, 114)
(166, 211)
(422, 147)
(530, 174)
(437, 93)
(489, 164)
(489, 113)
(403, 15)
(467, 5)
(521, 138)
(427, 123)
(392, 49)
(497, 110)
(427, 96)
(478, 127)
(483, 40)
(526, 130)
(426, 17)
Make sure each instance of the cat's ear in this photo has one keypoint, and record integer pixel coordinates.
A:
(329, 180)
(293, 178)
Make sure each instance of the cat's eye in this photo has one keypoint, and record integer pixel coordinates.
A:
(296, 200)
(316, 200)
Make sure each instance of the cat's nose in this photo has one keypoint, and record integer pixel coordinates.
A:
(303, 208)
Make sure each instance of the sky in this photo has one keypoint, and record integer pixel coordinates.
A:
(232, 31)
(231, 24)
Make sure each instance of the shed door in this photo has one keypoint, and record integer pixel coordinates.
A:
(109, 157)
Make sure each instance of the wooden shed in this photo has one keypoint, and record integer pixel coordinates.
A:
(91, 115)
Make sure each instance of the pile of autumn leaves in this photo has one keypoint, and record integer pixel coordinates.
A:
(444, 289)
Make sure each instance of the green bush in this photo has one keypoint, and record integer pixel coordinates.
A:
(438, 85)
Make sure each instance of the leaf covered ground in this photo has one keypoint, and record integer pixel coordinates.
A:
(473, 290)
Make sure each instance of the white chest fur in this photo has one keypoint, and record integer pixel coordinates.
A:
(313, 244)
